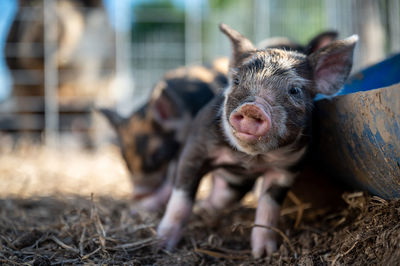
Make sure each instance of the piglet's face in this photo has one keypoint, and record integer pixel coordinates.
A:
(269, 100)
(146, 148)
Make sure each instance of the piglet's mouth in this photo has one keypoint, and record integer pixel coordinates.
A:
(247, 137)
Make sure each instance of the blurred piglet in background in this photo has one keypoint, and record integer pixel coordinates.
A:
(151, 138)
(259, 127)
(320, 40)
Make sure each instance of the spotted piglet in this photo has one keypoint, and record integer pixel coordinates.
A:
(259, 127)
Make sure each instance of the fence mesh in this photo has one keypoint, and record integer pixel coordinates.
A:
(67, 57)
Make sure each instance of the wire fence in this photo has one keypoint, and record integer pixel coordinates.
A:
(65, 57)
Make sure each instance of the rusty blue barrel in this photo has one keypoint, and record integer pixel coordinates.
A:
(358, 131)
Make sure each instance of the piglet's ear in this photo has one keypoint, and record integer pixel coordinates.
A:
(332, 64)
(113, 117)
(165, 110)
(240, 45)
(321, 40)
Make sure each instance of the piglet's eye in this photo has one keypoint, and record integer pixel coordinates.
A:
(294, 91)
(236, 81)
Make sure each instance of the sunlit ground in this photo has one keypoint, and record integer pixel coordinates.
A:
(31, 170)
(28, 170)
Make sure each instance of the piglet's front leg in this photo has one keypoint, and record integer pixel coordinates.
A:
(275, 186)
(176, 215)
(190, 170)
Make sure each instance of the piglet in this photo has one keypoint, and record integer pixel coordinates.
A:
(259, 127)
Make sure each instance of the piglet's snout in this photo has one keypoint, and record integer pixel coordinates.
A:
(250, 121)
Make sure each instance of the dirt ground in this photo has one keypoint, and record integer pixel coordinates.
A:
(62, 206)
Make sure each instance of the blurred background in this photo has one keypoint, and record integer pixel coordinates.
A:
(60, 59)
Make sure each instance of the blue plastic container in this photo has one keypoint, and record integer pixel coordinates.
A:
(358, 131)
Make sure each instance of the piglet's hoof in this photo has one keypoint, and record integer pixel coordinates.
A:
(263, 241)
(169, 234)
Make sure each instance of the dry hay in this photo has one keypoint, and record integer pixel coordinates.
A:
(75, 228)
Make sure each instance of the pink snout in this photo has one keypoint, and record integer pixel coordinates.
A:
(250, 122)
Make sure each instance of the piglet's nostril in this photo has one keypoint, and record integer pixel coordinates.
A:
(259, 120)
(237, 117)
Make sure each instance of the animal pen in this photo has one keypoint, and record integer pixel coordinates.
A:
(63, 205)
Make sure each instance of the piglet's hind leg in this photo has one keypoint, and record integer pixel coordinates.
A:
(156, 201)
(223, 194)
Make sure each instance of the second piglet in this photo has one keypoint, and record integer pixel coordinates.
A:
(151, 137)
(258, 127)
